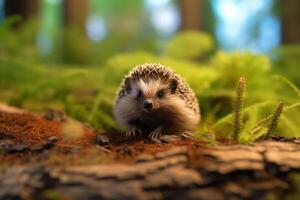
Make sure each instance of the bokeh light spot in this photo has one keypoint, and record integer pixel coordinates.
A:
(246, 25)
(96, 28)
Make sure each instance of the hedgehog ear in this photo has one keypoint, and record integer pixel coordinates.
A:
(128, 84)
(173, 85)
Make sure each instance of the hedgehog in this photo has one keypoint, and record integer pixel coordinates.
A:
(154, 100)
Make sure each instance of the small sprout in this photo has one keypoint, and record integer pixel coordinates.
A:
(274, 120)
(238, 105)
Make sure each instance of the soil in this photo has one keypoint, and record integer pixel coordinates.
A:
(37, 135)
(28, 134)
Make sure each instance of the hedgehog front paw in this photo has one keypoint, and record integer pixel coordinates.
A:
(156, 134)
(133, 132)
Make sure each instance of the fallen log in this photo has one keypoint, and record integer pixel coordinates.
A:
(223, 172)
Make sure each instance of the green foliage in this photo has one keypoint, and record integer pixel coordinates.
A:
(233, 65)
(216, 101)
(242, 135)
(294, 178)
(286, 62)
(117, 7)
(75, 48)
(274, 120)
(87, 93)
(51, 194)
(263, 129)
(247, 111)
(288, 83)
(190, 45)
(198, 76)
(18, 43)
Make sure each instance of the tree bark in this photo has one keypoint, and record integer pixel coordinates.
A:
(290, 19)
(221, 172)
(190, 14)
(75, 14)
(26, 9)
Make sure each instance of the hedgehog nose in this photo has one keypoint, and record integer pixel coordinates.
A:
(148, 104)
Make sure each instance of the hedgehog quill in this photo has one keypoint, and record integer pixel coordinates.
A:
(154, 100)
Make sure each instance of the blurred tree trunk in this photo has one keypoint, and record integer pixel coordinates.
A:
(290, 18)
(31, 8)
(26, 9)
(75, 14)
(190, 14)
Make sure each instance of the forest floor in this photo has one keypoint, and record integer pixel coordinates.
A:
(52, 156)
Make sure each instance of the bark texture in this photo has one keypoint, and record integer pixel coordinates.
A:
(221, 172)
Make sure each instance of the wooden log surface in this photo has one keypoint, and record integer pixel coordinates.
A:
(253, 171)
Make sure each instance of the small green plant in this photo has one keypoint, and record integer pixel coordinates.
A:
(273, 117)
(274, 120)
(238, 105)
(263, 130)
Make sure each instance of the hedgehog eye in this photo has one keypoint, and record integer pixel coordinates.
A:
(160, 94)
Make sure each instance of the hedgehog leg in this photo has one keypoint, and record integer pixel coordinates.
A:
(133, 132)
(155, 134)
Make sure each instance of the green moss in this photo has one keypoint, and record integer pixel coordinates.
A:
(236, 64)
(190, 45)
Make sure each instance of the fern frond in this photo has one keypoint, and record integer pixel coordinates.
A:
(291, 127)
(248, 137)
(268, 118)
(228, 118)
(287, 108)
(95, 107)
(288, 82)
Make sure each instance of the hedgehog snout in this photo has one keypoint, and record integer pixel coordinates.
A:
(148, 104)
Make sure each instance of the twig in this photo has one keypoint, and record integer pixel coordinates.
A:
(103, 149)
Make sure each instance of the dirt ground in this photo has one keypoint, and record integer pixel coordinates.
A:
(53, 138)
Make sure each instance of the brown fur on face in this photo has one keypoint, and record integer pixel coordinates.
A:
(149, 91)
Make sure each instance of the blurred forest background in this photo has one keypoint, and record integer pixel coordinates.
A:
(71, 55)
